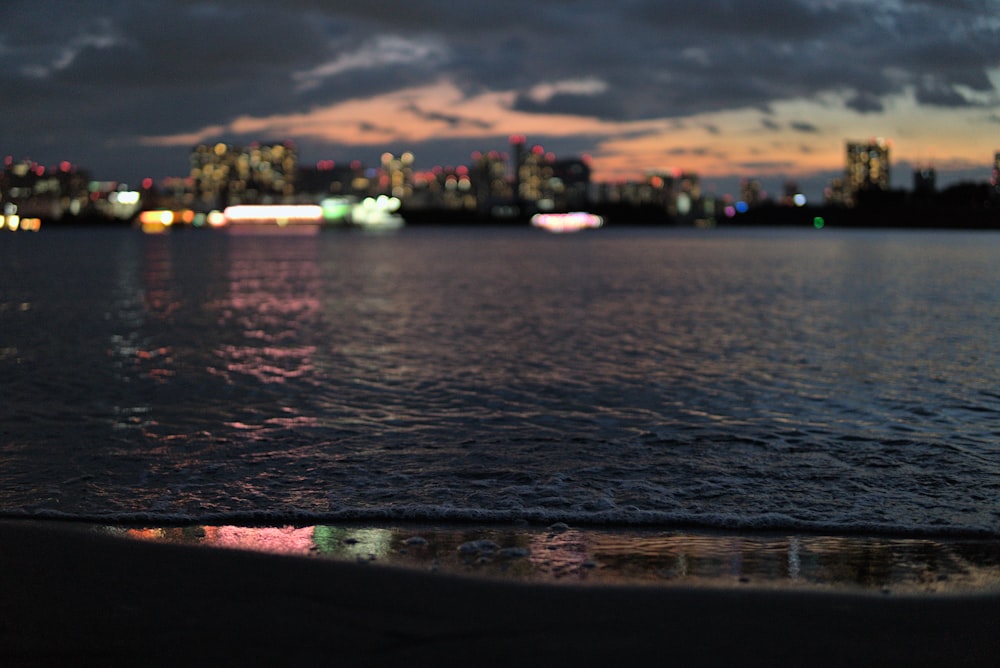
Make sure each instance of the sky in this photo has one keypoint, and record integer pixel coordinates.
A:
(726, 89)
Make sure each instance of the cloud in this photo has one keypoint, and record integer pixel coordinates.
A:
(802, 126)
(378, 53)
(543, 92)
(690, 150)
(452, 120)
(865, 103)
(152, 74)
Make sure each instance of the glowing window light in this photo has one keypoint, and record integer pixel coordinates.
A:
(273, 213)
(566, 222)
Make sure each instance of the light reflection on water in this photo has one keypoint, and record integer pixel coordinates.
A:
(594, 556)
(715, 379)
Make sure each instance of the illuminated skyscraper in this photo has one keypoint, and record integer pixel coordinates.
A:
(867, 167)
(534, 175)
(517, 157)
(224, 174)
(396, 176)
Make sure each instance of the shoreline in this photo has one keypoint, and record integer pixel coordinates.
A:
(561, 553)
(70, 594)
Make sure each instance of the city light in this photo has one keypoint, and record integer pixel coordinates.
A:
(377, 212)
(156, 221)
(124, 197)
(157, 217)
(280, 214)
(215, 219)
(266, 185)
(336, 209)
(566, 222)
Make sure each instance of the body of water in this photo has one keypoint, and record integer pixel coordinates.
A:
(795, 380)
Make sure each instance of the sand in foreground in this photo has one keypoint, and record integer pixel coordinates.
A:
(71, 597)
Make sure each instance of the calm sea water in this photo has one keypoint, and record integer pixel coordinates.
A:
(786, 379)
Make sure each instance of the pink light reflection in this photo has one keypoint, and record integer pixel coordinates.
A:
(280, 540)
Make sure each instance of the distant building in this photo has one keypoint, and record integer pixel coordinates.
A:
(223, 174)
(570, 184)
(996, 174)
(867, 168)
(678, 192)
(924, 181)
(490, 184)
(329, 178)
(836, 193)
(34, 190)
(751, 193)
(533, 174)
(396, 175)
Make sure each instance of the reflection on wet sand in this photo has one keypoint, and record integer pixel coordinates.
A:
(562, 554)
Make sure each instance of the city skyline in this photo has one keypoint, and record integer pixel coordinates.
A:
(727, 90)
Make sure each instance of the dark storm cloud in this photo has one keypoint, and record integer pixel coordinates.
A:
(865, 103)
(782, 19)
(139, 68)
(125, 69)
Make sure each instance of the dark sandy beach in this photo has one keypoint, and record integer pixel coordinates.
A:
(72, 597)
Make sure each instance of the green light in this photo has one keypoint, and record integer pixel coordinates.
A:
(818, 222)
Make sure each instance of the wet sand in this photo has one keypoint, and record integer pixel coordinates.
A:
(70, 596)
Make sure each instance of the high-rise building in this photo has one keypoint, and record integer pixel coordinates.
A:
(224, 174)
(924, 181)
(867, 167)
(570, 183)
(490, 184)
(533, 177)
(751, 193)
(996, 174)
